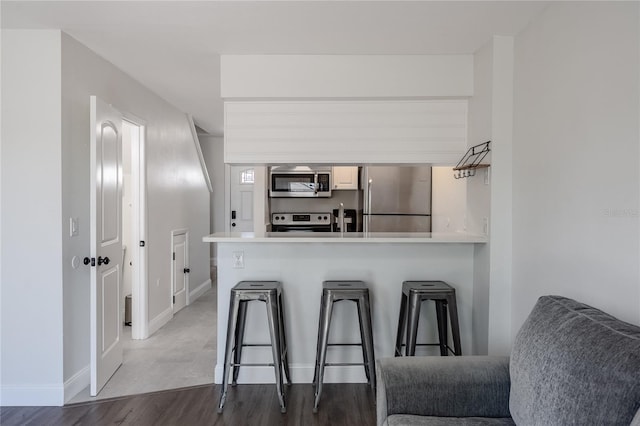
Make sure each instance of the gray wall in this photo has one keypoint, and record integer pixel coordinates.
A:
(47, 78)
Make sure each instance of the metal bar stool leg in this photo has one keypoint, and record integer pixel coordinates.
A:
(361, 319)
(441, 313)
(325, 324)
(239, 339)
(367, 337)
(231, 326)
(283, 339)
(413, 315)
(319, 340)
(276, 346)
(455, 326)
(402, 323)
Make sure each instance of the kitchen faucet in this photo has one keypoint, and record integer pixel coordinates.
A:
(341, 218)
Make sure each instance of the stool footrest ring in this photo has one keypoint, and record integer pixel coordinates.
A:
(340, 364)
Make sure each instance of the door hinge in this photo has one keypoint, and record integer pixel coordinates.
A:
(174, 300)
(174, 255)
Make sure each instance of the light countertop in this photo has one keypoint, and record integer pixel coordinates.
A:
(348, 237)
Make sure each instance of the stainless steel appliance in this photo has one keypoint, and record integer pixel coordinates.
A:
(301, 222)
(397, 199)
(300, 181)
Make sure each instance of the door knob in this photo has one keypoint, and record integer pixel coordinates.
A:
(102, 260)
(187, 270)
(88, 260)
(233, 224)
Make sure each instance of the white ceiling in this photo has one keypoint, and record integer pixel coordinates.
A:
(174, 47)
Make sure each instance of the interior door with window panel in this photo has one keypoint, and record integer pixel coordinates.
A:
(241, 190)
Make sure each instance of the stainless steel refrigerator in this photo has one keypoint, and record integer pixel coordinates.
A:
(397, 199)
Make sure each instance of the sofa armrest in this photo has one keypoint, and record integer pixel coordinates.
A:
(468, 386)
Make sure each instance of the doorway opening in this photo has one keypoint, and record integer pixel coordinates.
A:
(134, 224)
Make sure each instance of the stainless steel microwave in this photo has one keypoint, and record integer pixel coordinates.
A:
(300, 181)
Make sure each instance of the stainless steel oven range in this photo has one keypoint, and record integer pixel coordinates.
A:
(301, 222)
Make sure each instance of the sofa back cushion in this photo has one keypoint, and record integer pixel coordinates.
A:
(574, 364)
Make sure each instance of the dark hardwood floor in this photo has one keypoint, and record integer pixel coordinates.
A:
(341, 404)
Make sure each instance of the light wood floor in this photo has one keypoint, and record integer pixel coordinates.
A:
(341, 404)
(180, 354)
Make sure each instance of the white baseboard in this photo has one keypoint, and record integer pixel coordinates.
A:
(299, 374)
(157, 323)
(77, 383)
(199, 291)
(32, 396)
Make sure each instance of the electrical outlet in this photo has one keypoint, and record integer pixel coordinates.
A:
(238, 259)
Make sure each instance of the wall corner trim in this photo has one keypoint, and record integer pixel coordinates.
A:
(77, 383)
(157, 323)
(199, 291)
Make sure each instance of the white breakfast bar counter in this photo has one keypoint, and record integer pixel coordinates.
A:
(302, 261)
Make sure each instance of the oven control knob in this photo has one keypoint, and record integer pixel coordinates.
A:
(325, 218)
(319, 217)
(276, 218)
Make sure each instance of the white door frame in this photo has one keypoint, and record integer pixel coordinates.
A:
(227, 198)
(139, 268)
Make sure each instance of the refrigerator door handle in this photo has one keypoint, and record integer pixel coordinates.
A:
(368, 216)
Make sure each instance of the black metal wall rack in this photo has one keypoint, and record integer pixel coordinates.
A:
(471, 161)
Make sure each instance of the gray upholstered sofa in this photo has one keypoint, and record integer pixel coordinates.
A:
(571, 364)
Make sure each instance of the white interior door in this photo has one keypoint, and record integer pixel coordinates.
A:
(106, 242)
(180, 271)
(241, 190)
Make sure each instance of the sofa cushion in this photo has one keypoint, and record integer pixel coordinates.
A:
(574, 364)
(412, 420)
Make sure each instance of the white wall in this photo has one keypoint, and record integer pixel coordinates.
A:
(479, 194)
(213, 153)
(345, 132)
(500, 220)
(576, 158)
(448, 201)
(32, 226)
(345, 76)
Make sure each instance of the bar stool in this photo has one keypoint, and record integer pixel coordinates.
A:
(335, 291)
(413, 293)
(269, 292)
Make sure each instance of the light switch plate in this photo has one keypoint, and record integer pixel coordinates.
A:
(73, 227)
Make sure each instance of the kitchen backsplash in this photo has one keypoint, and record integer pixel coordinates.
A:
(352, 200)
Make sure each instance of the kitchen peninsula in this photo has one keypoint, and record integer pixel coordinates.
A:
(301, 261)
